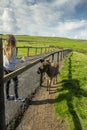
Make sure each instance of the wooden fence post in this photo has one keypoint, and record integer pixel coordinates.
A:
(58, 57)
(45, 49)
(61, 55)
(2, 104)
(36, 51)
(52, 57)
(28, 51)
(16, 51)
(41, 50)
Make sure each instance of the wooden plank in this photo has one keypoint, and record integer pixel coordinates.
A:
(2, 104)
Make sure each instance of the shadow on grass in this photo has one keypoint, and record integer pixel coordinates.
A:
(74, 90)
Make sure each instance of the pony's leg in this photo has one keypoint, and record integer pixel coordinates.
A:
(57, 79)
(55, 82)
(50, 82)
(47, 84)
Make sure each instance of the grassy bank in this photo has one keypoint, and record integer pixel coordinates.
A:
(71, 102)
(78, 45)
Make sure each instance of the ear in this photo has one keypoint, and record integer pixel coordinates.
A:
(42, 60)
(48, 61)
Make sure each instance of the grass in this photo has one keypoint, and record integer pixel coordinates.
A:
(71, 101)
(39, 41)
(32, 41)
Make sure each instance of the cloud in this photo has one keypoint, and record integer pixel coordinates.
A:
(71, 25)
(9, 21)
(81, 35)
(42, 17)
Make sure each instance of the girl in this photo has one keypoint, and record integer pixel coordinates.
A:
(9, 63)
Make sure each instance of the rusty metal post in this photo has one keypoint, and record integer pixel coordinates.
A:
(2, 103)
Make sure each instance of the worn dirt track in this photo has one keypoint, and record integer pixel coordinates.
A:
(41, 114)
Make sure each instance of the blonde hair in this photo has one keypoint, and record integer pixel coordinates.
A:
(9, 47)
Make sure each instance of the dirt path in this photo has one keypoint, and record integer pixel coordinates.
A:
(41, 114)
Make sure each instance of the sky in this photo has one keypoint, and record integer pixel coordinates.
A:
(55, 18)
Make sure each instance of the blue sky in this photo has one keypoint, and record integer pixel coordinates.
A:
(60, 18)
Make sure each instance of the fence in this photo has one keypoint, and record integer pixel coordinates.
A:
(32, 50)
(29, 50)
(60, 54)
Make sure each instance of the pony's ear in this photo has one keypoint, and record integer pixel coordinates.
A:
(48, 61)
(42, 60)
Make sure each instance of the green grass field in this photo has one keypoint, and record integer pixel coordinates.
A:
(71, 100)
(79, 45)
(38, 41)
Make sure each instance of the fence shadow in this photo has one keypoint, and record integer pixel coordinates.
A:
(73, 90)
(41, 102)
